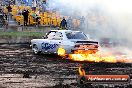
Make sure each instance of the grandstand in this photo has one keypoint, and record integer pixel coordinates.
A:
(47, 18)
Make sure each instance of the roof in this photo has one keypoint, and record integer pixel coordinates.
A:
(63, 30)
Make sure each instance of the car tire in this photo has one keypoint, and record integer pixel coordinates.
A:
(36, 50)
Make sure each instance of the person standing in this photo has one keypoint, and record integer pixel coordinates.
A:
(82, 22)
(69, 23)
(63, 23)
(34, 4)
(44, 6)
(9, 10)
(25, 15)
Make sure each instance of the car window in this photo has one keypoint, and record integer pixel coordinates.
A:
(58, 36)
(76, 35)
(51, 35)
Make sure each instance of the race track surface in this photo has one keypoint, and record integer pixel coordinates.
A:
(20, 68)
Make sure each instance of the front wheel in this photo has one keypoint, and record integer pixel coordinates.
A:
(36, 50)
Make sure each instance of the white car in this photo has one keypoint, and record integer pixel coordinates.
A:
(68, 40)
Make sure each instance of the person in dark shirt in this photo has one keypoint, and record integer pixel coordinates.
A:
(25, 15)
(9, 8)
(63, 24)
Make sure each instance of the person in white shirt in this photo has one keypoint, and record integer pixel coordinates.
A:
(34, 4)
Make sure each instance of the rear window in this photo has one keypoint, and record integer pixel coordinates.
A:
(76, 35)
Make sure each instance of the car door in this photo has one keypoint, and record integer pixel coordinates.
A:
(56, 42)
(46, 45)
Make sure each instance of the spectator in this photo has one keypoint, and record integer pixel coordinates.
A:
(19, 12)
(25, 15)
(3, 21)
(1, 9)
(34, 4)
(63, 24)
(44, 6)
(82, 22)
(69, 23)
(9, 8)
(5, 16)
(36, 17)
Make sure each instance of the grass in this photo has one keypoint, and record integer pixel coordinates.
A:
(37, 34)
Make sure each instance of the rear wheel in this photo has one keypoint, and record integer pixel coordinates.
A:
(36, 50)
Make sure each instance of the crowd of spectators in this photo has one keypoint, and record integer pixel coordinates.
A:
(37, 13)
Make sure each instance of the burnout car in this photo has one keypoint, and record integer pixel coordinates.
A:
(68, 41)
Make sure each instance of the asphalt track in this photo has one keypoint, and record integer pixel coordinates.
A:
(20, 68)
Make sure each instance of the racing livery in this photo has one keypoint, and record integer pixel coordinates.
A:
(71, 41)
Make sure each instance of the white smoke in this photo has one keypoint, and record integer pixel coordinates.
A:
(103, 18)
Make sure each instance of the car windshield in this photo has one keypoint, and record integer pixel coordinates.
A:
(76, 35)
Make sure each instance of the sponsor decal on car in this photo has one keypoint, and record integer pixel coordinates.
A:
(47, 46)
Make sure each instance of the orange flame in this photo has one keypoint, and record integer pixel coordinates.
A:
(61, 52)
(81, 71)
(95, 57)
(92, 58)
